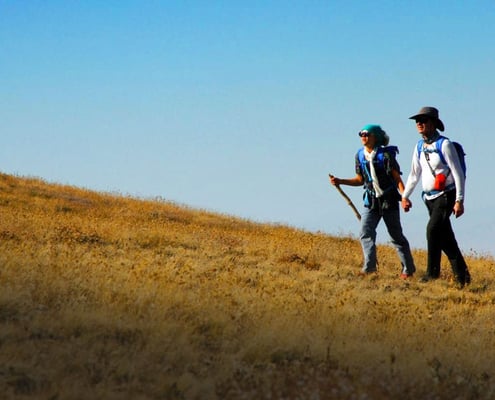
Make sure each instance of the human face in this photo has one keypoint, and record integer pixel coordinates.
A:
(425, 126)
(367, 139)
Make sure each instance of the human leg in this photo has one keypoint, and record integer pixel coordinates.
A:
(367, 236)
(434, 231)
(451, 248)
(394, 227)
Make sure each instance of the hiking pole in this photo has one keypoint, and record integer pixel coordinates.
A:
(349, 201)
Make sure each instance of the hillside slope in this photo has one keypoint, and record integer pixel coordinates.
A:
(104, 296)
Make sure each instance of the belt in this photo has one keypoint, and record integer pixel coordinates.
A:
(434, 192)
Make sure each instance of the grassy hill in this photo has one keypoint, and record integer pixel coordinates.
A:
(108, 297)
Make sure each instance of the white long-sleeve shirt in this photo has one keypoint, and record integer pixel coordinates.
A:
(420, 168)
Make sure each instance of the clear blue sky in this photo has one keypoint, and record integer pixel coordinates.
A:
(243, 107)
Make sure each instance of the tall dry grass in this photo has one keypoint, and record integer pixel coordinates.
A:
(108, 297)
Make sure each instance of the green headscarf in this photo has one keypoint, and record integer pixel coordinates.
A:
(380, 135)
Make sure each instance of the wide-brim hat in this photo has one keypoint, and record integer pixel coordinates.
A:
(430, 112)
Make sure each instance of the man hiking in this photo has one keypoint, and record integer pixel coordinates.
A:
(436, 162)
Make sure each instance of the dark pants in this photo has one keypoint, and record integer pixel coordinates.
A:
(440, 236)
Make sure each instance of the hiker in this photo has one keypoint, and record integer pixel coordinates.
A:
(381, 179)
(443, 181)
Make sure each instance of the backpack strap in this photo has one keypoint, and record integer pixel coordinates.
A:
(438, 149)
(362, 162)
(438, 145)
(419, 147)
(383, 158)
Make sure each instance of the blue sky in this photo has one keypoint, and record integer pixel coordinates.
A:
(243, 108)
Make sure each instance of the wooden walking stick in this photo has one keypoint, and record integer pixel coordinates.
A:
(351, 204)
(349, 201)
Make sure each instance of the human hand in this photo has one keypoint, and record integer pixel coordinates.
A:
(458, 209)
(334, 180)
(406, 204)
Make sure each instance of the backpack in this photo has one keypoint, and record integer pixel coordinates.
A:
(391, 151)
(382, 154)
(438, 148)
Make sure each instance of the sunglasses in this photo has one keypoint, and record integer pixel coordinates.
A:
(363, 133)
(422, 120)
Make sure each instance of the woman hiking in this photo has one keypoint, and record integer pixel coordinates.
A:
(379, 172)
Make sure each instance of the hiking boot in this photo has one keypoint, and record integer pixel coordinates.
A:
(459, 284)
(468, 277)
(406, 276)
(461, 281)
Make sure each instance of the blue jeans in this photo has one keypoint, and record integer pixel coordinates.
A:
(369, 221)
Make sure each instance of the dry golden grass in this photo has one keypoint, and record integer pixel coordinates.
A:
(108, 297)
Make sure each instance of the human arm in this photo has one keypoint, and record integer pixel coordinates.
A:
(405, 202)
(356, 181)
(412, 181)
(454, 164)
(398, 180)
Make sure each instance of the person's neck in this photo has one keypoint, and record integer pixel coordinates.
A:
(369, 149)
(431, 137)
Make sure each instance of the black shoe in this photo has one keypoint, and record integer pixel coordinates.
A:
(459, 284)
(468, 277)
